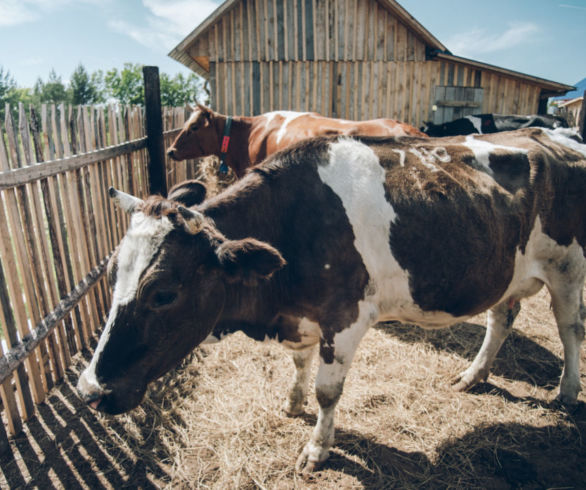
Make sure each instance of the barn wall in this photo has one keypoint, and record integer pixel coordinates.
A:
(341, 58)
(308, 30)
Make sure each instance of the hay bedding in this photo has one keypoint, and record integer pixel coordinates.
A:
(216, 421)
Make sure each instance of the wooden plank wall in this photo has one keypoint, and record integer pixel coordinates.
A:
(342, 58)
(54, 231)
(360, 90)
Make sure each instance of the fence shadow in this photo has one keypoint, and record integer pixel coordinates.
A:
(519, 359)
(67, 444)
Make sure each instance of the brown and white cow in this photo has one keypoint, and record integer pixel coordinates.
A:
(327, 238)
(252, 139)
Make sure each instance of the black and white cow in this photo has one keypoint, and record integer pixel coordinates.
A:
(327, 238)
(492, 123)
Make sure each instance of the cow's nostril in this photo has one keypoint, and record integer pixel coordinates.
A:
(93, 398)
(95, 403)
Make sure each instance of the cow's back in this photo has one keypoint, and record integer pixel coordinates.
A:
(455, 213)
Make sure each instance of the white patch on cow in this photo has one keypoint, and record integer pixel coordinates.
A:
(401, 156)
(542, 261)
(565, 137)
(441, 154)
(137, 249)
(476, 122)
(425, 158)
(354, 173)
(288, 116)
(429, 158)
(142, 241)
(483, 149)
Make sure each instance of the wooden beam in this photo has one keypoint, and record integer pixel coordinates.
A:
(457, 103)
(154, 129)
(25, 175)
(19, 352)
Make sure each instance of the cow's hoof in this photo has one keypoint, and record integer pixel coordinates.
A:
(568, 400)
(461, 383)
(293, 411)
(307, 464)
(465, 381)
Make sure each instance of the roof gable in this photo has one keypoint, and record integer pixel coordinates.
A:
(306, 30)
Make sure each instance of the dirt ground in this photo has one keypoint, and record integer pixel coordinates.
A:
(216, 422)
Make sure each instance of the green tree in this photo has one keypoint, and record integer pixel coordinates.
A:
(8, 91)
(51, 92)
(179, 90)
(126, 85)
(86, 89)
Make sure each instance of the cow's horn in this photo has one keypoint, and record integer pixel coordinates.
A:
(193, 219)
(126, 201)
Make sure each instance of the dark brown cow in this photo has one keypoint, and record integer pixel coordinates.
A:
(492, 123)
(252, 139)
(332, 235)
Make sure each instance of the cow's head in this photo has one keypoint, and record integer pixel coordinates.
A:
(199, 136)
(170, 274)
(433, 130)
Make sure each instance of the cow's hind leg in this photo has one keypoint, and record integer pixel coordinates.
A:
(569, 314)
(498, 326)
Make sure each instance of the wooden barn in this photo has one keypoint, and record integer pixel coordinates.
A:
(355, 59)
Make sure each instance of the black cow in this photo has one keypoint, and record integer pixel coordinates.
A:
(491, 123)
(327, 238)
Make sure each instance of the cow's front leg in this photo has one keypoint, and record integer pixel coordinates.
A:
(335, 360)
(498, 326)
(298, 393)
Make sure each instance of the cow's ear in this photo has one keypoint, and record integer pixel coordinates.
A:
(206, 111)
(249, 260)
(189, 193)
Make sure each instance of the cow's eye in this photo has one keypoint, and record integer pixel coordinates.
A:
(163, 298)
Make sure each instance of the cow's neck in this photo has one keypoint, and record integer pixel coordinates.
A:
(236, 158)
(247, 210)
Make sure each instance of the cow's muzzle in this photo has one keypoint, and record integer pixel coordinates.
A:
(171, 153)
(90, 391)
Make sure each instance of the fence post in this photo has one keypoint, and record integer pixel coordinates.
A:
(154, 129)
(582, 118)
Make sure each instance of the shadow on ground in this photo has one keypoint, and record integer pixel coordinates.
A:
(508, 455)
(66, 445)
(519, 359)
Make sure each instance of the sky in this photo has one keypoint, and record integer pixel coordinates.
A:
(543, 38)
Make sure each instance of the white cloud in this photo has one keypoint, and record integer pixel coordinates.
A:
(14, 12)
(168, 21)
(567, 6)
(479, 41)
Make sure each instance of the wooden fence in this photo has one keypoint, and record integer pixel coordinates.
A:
(57, 230)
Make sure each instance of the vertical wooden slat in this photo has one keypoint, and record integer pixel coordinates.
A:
(14, 262)
(46, 187)
(36, 251)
